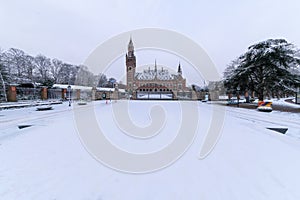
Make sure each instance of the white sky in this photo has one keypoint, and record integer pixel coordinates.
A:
(71, 29)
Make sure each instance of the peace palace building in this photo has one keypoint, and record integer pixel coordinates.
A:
(154, 83)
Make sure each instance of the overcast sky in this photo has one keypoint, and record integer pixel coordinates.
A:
(70, 29)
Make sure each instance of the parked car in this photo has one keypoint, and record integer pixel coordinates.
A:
(81, 102)
(265, 106)
(44, 107)
(234, 101)
(242, 100)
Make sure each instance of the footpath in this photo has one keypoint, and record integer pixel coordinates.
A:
(23, 104)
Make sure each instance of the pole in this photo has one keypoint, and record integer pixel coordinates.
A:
(238, 96)
(238, 99)
(69, 98)
(69, 88)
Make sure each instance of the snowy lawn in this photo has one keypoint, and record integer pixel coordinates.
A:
(48, 160)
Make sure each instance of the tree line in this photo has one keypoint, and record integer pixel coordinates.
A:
(17, 67)
(267, 68)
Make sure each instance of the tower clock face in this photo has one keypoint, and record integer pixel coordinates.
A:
(129, 68)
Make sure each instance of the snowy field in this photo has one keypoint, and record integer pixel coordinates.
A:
(48, 160)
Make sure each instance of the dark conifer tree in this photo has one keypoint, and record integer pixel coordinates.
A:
(265, 69)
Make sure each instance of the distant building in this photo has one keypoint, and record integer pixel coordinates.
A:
(154, 83)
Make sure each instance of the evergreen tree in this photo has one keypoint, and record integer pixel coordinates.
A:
(265, 69)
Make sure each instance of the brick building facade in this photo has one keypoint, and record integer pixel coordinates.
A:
(152, 83)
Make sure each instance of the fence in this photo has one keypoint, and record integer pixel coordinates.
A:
(54, 93)
(184, 95)
(28, 93)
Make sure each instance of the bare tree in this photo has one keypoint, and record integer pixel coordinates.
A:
(55, 69)
(42, 64)
(85, 77)
(67, 73)
(102, 80)
(2, 73)
(30, 67)
(15, 61)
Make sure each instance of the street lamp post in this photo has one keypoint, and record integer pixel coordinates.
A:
(69, 90)
(238, 96)
(297, 99)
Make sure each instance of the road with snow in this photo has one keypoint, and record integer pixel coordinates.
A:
(49, 161)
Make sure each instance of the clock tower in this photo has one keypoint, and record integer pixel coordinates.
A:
(130, 66)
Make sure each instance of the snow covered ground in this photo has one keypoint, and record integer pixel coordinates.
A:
(282, 102)
(48, 160)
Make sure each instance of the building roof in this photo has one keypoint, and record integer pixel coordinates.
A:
(65, 86)
(150, 74)
(101, 89)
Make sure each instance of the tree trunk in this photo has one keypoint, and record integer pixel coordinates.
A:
(261, 95)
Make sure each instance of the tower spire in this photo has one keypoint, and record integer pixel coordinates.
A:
(130, 48)
(155, 69)
(179, 71)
